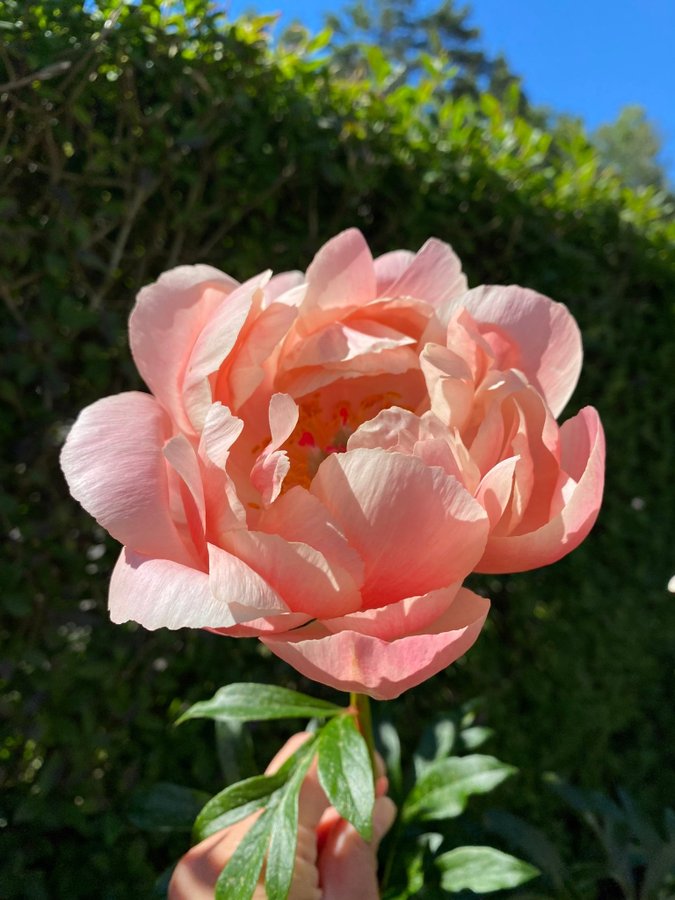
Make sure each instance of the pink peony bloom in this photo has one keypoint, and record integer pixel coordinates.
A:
(325, 458)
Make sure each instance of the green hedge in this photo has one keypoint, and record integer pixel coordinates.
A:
(133, 142)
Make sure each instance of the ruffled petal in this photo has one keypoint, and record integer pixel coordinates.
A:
(341, 276)
(168, 318)
(115, 467)
(390, 267)
(349, 661)
(416, 528)
(159, 593)
(242, 590)
(530, 332)
(583, 459)
(434, 275)
(214, 344)
(299, 574)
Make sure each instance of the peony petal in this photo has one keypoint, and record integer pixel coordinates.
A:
(494, 491)
(449, 383)
(213, 345)
(115, 468)
(339, 342)
(159, 593)
(300, 516)
(272, 466)
(349, 661)
(280, 284)
(532, 333)
(297, 572)
(341, 276)
(390, 267)
(416, 528)
(167, 319)
(435, 275)
(238, 587)
(583, 456)
(408, 616)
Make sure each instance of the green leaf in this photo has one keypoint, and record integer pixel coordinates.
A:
(240, 876)
(249, 702)
(166, 807)
(532, 841)
(482, 869)
(236, 802)
(346, 774)
(445, 787)
(474, 737)
(283, 844)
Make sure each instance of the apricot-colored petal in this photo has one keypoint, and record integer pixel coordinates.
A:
(542, 337)
(167, 319)
(340, 276)
(390, 267)
(279, 622)
(494, 490)
(115, 468)
(416, 528)
(339, 342)
(241, 589)
(224, 509)
(216, 340)
(280, 284)
(434, 275)
(299, 574)
(159, 593)
(300, 516)
(408, 616)
(583, 457)
(349, 661)
(449, 383)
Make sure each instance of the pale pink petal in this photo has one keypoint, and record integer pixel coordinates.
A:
(280, 284)
(240, 589)
(532, 333)
(340, 276)
(115, 468)
(583, 457)
(300, 516)
(186, 491)
(167, 320)
(449, 383)
(272, 466)
(245, 371)
(339, 342)
(224, 509)
(408, 616)
(349, 661)
(416, 528)
(390, 267)
(435, 275)
(261, 627)
(159, 593)
(301, 575)
(213, 345)
(494, 491)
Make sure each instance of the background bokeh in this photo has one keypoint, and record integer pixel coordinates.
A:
(136, 138)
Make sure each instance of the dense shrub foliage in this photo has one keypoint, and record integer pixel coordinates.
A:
(134, 140)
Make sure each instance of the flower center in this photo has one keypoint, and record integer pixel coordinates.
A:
(324, 427)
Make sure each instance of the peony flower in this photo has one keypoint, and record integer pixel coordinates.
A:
(325, 458)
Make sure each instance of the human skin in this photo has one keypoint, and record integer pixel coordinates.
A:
(332, 861)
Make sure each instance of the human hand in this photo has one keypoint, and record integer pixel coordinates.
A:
(332, 861)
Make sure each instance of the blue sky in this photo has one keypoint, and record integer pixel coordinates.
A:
(584, 57)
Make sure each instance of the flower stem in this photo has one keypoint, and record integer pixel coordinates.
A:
(361, 704)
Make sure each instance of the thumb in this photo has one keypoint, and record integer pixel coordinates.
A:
(347, 863)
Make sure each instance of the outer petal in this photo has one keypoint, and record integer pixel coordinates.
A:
(168, 317)
(241, 590)
(390, 267)
(583, 458)
(358, 662)
(213, 345)
(409, 616)
(158, 593)
(341, 276)
(435, 275)
(416, 528)
(114, 465)
(297, 572)
(542, 338)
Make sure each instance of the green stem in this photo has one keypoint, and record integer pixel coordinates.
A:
(364, 719)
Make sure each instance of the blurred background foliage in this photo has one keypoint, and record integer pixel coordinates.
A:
(134, 137)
